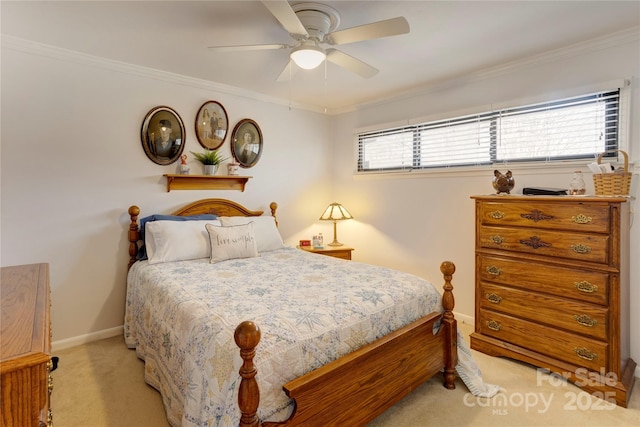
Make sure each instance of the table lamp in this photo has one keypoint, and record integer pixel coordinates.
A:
(335, 212)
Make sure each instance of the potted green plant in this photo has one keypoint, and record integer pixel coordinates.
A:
(210, 159)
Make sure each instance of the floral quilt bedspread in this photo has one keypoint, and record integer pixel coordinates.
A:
(181, 316)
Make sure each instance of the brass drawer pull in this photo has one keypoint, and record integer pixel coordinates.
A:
(585, 320)
(498, 240)
(497, 215)
(581, 219)
(580, 248)
(535, 242)
(584, 353)
(494, 298)
(50, 368)
(586, 287)
(493, 270)
(536, 216)
(493, 325)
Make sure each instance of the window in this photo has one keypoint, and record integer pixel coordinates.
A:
(574, 128)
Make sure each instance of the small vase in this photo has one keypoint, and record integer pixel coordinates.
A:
(210, 169)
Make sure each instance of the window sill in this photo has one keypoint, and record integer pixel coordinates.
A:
(533, 167)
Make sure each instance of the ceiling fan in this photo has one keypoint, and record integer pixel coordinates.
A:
(312, 25)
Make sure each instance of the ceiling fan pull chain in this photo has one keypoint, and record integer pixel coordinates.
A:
(289, 66)
(325, 85)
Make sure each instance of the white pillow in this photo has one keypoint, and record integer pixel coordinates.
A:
(267, 235)
(168, 241)
(232, 242)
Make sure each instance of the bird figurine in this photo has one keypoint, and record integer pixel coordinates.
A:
(503, 183)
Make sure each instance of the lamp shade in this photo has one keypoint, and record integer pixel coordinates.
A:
(308, 56)
(336, 212)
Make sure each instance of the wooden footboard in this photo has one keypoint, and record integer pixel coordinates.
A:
(358, 387)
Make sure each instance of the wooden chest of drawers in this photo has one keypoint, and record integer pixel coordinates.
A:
(25, 354)
(552, 287)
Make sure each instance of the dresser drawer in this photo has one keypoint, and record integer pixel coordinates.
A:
(573, 316)
(583, 285)
(578, 246)
(568, 216)
(571, 348)
(341, 255)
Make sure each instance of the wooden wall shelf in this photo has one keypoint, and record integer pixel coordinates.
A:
(206, 182)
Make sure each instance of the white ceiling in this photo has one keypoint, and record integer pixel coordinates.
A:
(447, 39)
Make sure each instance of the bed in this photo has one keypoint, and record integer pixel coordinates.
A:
(243, 339)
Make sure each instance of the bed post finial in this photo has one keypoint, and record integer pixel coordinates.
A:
(448, 268)
(451, 327)
(247, 337)
(134, 234)
(274, 206)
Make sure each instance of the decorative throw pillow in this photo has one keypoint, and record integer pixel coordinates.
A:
(232, 242)
(168, 241)
(142, 251)
(267, 235)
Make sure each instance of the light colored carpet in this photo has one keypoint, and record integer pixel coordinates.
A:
(101, 384)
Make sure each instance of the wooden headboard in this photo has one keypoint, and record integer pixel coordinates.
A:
(219, 207)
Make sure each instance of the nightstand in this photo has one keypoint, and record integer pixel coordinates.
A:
(343, 252)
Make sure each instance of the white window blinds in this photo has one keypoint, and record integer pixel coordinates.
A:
(573, 128)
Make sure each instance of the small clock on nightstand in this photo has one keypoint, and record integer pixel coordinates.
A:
(343, 252)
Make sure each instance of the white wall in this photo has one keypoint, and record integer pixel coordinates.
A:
(72, 164)
(415, 221)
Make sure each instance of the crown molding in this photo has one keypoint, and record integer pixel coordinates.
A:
(53, 52)
(630, 35)
(619, 38)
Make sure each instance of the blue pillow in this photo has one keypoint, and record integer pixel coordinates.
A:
(142, 250)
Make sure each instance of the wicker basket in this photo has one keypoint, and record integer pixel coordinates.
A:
(613, 184)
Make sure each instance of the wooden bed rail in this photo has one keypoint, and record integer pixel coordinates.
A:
(358, 387)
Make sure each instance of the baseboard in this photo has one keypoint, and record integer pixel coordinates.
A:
(468, 320)
(84, 339)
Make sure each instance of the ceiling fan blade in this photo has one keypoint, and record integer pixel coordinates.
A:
(375, 30)
(246, 47)
(288, 72)
(286, 16)
(350, 63)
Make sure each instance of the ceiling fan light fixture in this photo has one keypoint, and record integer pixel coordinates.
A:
(308, 56)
